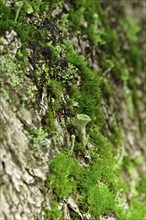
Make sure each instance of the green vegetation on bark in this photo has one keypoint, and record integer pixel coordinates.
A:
(73, 87)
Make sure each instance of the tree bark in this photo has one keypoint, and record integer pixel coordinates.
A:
(24, 169)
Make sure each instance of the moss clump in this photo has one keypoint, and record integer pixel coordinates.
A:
(87, 11)
(54, 213)
(95, 184)
(89, 100)
(48, 122)
(54, 91)
(98, 200)
(7, 17)
(137, 210)
(64, 172)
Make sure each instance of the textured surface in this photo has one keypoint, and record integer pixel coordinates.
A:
(35, 124)
(22, 174)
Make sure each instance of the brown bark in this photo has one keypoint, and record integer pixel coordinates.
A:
(22, 170)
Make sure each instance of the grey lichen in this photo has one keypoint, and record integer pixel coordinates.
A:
(80, 122)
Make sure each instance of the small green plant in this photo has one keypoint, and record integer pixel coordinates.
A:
(131, 29)
(18, 6)
(63, 22)
(55, 4)
(99, 199)
(95, 32)
(137, 210)
(77, 17)
(68, 75)
(22, 5)
(48, 122)
(64, 171)
(124, 75)
(37, 136)
(54, 213)
(55, 93)
(129, 103)
(89, 100)
(29, 7)
(6, 17)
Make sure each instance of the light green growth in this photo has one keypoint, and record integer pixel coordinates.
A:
(30, 7)
(137, 210)
(68, 75)
(72, 143)
(6, 95)
(64, 22)
(18, 6)
(37, 136)
(68, 177)
(99, 200)
(64, 171)
(55, 4)
(131, 29)
(12, 70)
(54, 213)
(80, 122)
(129, 103)
(124, 75)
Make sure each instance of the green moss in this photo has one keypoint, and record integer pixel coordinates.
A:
(115, 135)
(54, 90)
(134, 58)
(142, 127)
(131, 29)
(87, 11)
(112, 42)
(95, 184)
(67, 76)
(54, 4)
(77, 17)
(137, 210)
(99, 200)
(129, 103)
(64, 171)
(133, 55)
(48, 122)
(89, 100)
(54, 213)
(141, 185)
(6, 18)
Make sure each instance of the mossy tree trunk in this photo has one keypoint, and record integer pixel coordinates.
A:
(58, 60)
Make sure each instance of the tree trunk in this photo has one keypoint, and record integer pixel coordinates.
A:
(29, 138)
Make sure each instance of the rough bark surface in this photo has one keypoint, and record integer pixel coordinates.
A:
(22, 170)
